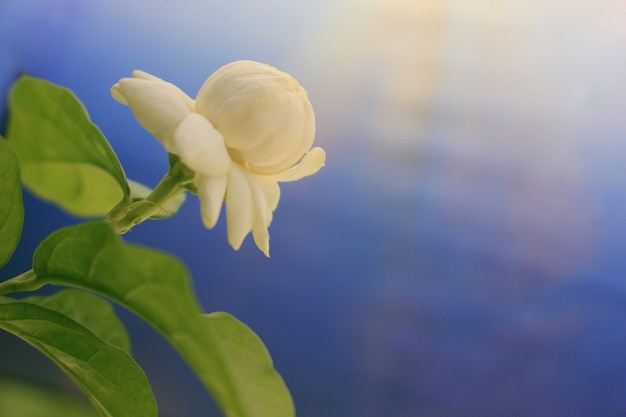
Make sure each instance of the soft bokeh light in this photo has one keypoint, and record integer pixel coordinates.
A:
(462, 253)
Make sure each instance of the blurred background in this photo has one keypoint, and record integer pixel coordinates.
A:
(463, 251)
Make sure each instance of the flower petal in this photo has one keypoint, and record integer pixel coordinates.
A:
(199, 146)
(249, 206)
(145, 76)
(261, 237)
(271, 194)
(116, 92)
(266, 196)
(310, 163)
(240, 210)
(211, 192)
(158, 105)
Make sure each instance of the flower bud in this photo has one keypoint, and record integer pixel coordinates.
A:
(250, 127)
(263, 114)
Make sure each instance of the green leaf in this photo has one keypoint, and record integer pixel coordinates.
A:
(110, 378)
(63, 156)
(139, 192)
(227, 356)
(91, 311)
(11, 207)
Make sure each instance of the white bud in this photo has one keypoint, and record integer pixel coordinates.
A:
(264, 115)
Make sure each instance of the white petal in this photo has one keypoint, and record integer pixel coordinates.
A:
(266, 196)
(261, 205)
(199, 146)
(240, 210)
(261, 237)
(158, 106)
(145, 76)
(311, 162)
(211, 192)
(271, 193)
(116, 92)
(249, 206)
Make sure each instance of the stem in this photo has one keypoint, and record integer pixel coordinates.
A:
(126, 214)
(23, 282)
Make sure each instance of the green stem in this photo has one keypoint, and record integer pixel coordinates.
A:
(23, 282)
(127, 214)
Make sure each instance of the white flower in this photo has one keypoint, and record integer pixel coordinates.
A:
(250, 127)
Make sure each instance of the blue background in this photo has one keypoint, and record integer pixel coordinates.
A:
(463, 251)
